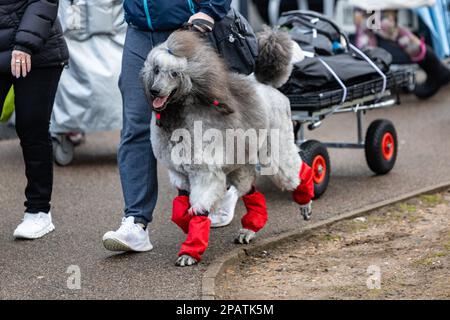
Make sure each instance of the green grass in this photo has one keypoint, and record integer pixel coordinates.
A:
(331, 237)
(432, 199)
(447, 243)
(406, 211)
(447, 246)
(430, 259)
(352, 226)
(407, 208)
(378, 218)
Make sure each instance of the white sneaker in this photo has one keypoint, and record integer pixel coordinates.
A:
(34, 225)
(225, 213)
(129, 237)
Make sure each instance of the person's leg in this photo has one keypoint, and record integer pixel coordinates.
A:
(34, 98)
(438, 75)
(5, 86)
(399, 56)
(137, 163)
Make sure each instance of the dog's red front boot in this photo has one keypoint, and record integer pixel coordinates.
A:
(197, 238)
(305, 191)
(256, 217)
(180, 214)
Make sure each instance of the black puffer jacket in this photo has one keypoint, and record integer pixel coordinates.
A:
(31, 26)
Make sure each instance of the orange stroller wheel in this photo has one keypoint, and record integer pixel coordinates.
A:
(315, 154)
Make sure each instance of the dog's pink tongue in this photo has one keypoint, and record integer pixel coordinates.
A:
(159, 102)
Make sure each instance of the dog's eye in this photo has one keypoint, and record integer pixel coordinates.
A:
(174, 74)
(156, 70)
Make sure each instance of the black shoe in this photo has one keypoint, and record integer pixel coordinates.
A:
(438, 75)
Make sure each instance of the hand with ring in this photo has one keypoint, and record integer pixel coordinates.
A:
(20, 63)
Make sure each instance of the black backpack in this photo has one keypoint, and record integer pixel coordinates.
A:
(234, 39)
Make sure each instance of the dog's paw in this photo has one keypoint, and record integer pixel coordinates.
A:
(306, 210)
(245, 236)
(185, 261)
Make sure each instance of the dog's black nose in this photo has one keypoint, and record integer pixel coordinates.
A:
(154, 93)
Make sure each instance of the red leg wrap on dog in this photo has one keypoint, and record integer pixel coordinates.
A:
(197, 238)
(305, 191)
(256, 216)
(180, 212)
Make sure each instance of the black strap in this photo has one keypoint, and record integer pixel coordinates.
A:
(205, 25)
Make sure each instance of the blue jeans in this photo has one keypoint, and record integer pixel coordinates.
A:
(137, 163)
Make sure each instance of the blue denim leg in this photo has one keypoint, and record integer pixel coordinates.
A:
(137, 164)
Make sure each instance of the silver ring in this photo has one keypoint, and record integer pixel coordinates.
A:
(18, 61)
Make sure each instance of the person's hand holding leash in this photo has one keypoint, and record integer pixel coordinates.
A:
(201, 22)
(20, 63)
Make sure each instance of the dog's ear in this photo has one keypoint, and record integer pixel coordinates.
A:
(185, 84)
(146, 76)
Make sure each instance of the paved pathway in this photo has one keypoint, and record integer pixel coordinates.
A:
(87, 202)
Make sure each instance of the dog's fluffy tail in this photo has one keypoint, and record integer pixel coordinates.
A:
(273, 66)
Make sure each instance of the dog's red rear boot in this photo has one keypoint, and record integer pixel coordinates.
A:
(256, 217)
(304, 193)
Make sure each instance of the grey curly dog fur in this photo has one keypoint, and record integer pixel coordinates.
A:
(188, 76)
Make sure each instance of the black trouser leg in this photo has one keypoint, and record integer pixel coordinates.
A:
(437, 72)
(34, 98)
(5, 85)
